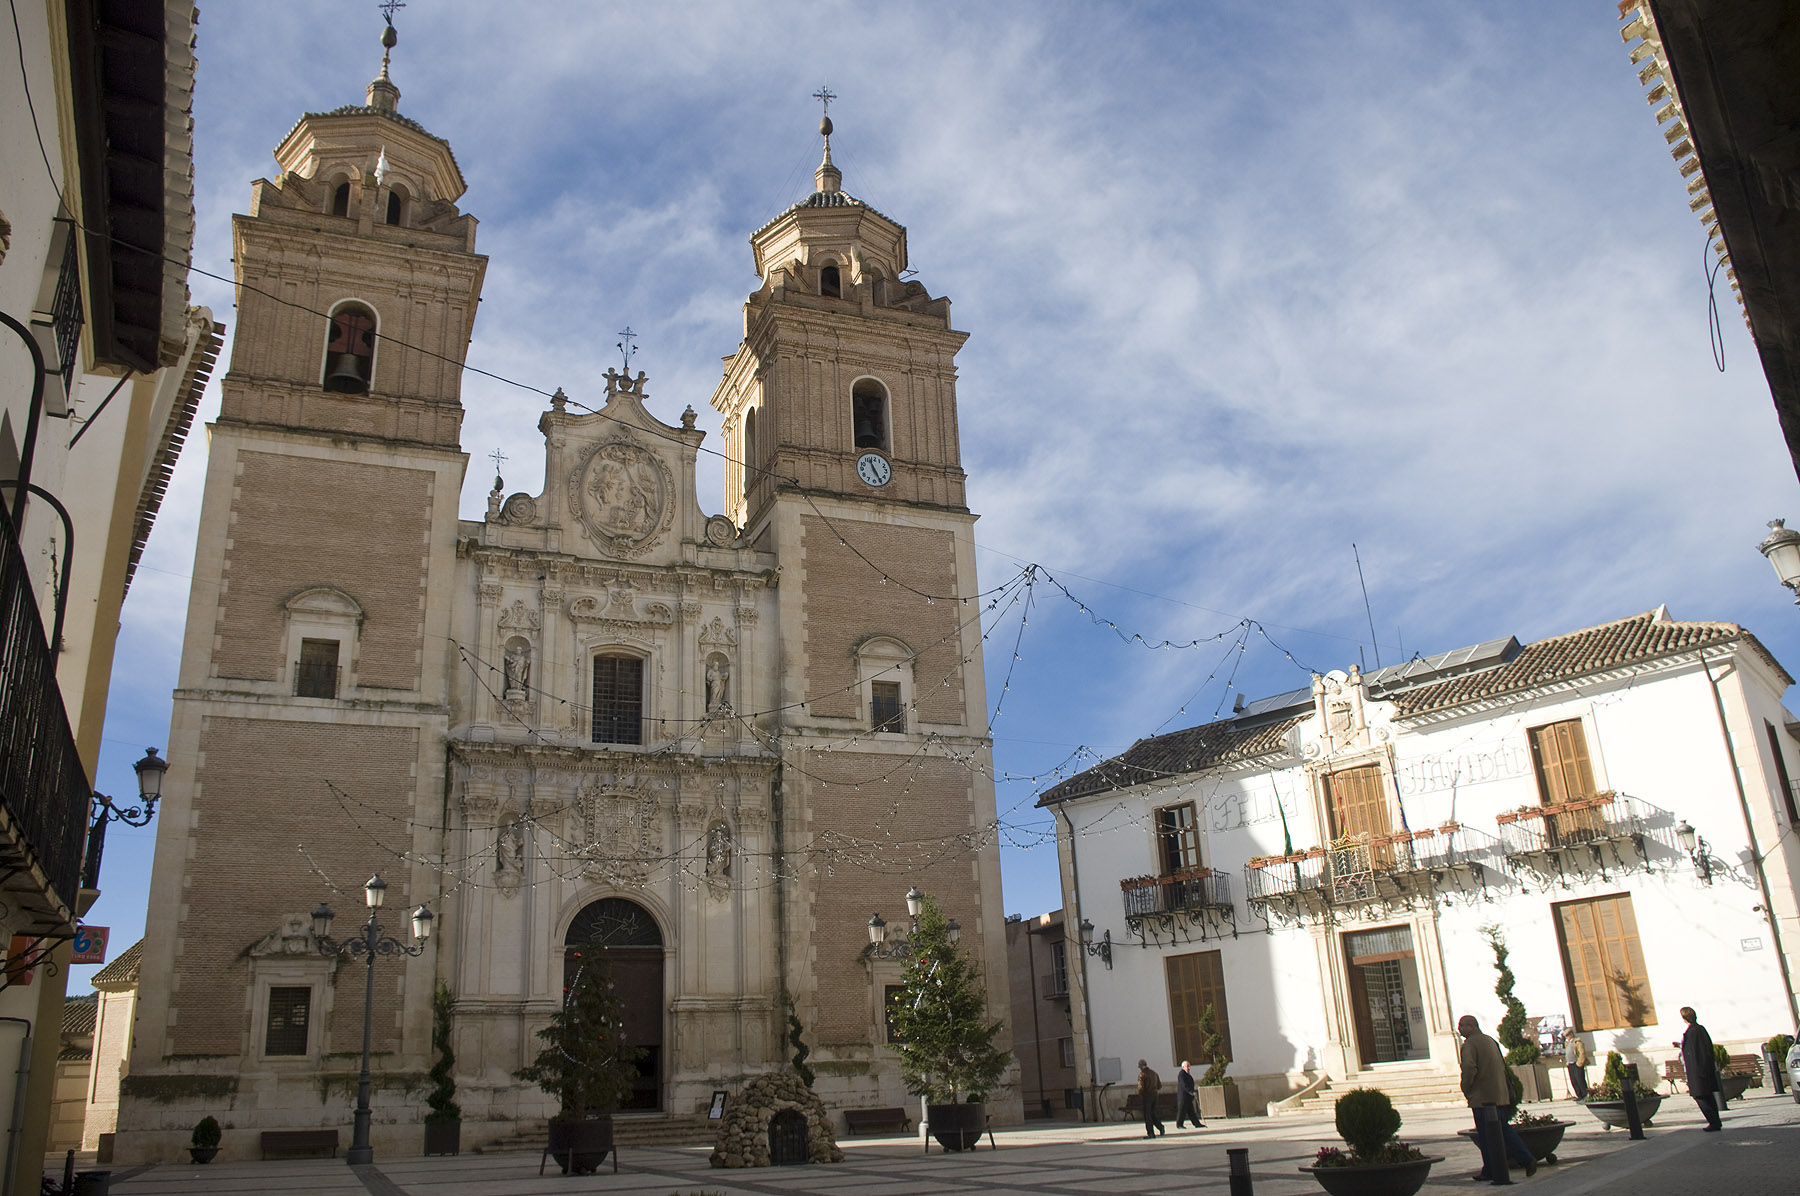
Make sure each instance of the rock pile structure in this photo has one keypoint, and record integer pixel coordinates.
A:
(744, 1134)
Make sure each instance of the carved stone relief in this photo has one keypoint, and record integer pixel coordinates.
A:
(520, 617)
(622, 831)
(623, 497)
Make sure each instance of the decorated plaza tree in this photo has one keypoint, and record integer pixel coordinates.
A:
(940, 1019)
(585, 1063)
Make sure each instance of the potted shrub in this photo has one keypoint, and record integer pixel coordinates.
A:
(204, 1144)
(1524, 1058)
(586, 1064)
(1377, 1163)
(1542, 1133)
(443, 1125)
(1218, 1096)
(1606, 1100)
(1732, 1082)
(943, 1036)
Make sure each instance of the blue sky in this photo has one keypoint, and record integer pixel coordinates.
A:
(1245, 284)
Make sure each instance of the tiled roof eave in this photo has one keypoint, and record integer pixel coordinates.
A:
(1263, 753)
(1551, 687)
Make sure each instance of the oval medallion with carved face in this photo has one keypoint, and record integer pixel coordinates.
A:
(621, 495)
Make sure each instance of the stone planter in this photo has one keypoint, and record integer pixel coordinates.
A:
(203, 1154)
(1540, 1140)
(957, 1127)
(1534, 1078)
(1218, 1100)
(579, 1147)
(1612, 1112)
(1734, 1087)
(1381, 1179)
(443, 1137)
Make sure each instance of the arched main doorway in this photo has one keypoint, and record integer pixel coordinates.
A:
(633, 948)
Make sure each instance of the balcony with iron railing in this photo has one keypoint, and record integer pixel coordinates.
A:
(1193, 898)
(1584, 837)
(1364, 869)
(1054, 985)
(44, 789)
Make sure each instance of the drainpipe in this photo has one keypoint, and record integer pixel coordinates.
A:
(1756, 858)
(17, 1127)
(1087, 1009)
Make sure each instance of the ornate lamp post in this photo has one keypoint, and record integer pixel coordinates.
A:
(900, 948)
(150, 772)
(369, 944)
(1103, 948)
(1698, 849)
(1782, 547)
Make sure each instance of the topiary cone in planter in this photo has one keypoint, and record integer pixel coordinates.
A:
(443, 1125)
(1378, 1163)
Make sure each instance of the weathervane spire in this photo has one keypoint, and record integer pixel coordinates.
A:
(828, 177)
(383, 95)
(627, 350)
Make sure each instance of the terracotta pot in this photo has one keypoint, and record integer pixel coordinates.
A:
(1381, 1179)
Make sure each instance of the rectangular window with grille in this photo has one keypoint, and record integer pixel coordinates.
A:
(618, 699)
(1195, 981)
(1059, 968)
(1604, 963)
(885, 713)
(289, 1010)
(1065, 1048)
(317, 674)
(1177, 838)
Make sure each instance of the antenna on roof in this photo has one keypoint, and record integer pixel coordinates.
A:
(1366, 609)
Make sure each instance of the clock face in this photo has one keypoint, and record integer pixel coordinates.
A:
(874, 469)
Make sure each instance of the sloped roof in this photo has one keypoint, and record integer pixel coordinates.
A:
(1189, 750)
(122, 971)
(78, 1014)
(1589, 652)
(1583, 653)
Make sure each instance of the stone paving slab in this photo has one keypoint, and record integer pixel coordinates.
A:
(1757, 1155)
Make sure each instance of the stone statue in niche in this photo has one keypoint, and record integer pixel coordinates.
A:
(718, 682)
(509, 857)
(517, 668)
(718, 858)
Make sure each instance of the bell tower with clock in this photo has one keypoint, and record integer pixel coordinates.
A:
(843, 460)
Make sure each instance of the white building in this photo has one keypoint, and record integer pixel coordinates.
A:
(1322, 865)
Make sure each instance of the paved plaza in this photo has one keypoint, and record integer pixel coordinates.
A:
(1758, 1153)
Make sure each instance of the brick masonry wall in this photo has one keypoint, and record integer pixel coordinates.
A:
(261, 797)
(299, 522)
(846, 603)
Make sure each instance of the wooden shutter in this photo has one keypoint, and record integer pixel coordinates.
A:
(1603, 961)
(1194, 982)
(1559, 754)
(1178, 837)
(1359, 806)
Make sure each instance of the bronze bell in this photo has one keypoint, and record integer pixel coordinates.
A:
(348, 373)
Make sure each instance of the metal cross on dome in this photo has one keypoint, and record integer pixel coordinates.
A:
(389, 7)
(626, 348)
(825, 95)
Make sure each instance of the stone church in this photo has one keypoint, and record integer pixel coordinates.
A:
(716, 743)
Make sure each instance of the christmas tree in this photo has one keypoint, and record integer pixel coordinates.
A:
(944, 1038)
(586, 1064)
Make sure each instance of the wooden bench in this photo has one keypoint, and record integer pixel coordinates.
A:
(287, 1143)
(1739, 1065)
(1165, 1105)
(877, 1121)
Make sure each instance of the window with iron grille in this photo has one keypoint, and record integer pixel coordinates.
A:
(1177, 838)
(618, 699)
(1059, 968)
(317, 674)
(885, 713)
(1066, 1051)
(289, 1011)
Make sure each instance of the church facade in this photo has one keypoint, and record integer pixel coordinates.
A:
(708, 744)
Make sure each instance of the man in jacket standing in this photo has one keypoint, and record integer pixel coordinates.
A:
(1484, 1084)
(1186, 1093)
(1149, 1084)
(1702, 1069)
(1577, 1054)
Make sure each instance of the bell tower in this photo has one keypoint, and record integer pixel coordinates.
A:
(306, 748)
(844, 461)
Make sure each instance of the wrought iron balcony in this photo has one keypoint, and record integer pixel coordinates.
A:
(44, 790)
(1356, 870)
(1053, 985)
(1177, 904)
(1584, 838)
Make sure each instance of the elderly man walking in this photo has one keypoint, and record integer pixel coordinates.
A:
(1702, 1069)
(1484, 1084)
(1149, 1084)
(1186, 1095)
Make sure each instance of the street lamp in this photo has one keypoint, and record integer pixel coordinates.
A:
(1103, 948)
(1696, 846)
(150, 772)
(1782, 547)
(882, 947)
(370, 943)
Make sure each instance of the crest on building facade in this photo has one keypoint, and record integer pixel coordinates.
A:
(622, 495)
(621, 830)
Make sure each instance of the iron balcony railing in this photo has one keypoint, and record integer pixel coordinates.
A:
(313, 679)
(1369, 868)
(1191, 891)
(1603, 818)
(66, 313)
(44, 790)
(1053, 984)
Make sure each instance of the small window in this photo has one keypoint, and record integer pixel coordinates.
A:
(869, 415)
(750, 458)
(1059, 969)
(340, 200)
(289, 1011)
(350, 350)
(1065, 1049)
(316, 676)
(885, 713)
(618, 699)
(891, 996)
(829, 283)
(396, 207)
(1177, 838)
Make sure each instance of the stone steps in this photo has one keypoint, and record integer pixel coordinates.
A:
(1410, 1086)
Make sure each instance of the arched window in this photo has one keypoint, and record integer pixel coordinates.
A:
(829, 283)
(750, 458)
(350, 350)
(396, 206)
(869, 414)
(618, 699)
(340, 199)
(884, 666)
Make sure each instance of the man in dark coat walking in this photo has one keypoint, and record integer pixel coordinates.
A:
(1702, 1069)
(1186, 1093)
(1149, 1084)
